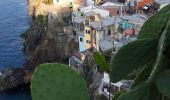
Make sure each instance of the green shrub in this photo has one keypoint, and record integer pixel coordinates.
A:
(41, 19)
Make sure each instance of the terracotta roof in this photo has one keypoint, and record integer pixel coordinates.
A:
(113, 11)
(128, 32)
(141, 4)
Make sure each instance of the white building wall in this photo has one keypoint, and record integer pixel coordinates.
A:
(90, 2)
(101, 12)
(99, 36)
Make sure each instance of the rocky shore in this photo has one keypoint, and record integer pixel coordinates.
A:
(44, 42)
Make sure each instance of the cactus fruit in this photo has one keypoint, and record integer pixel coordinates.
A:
(57, 82)
(149, 56)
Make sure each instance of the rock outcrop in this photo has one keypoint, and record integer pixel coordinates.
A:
(44, 42)
(48, 44)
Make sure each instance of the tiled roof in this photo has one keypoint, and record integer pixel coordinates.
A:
(102, 23)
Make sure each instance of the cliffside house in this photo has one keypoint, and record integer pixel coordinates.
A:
(95, 25)
(76, 62)
(132, 22)
(136, 6)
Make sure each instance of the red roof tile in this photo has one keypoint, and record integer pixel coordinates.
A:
(128, 32)
(113, 11)
(141, 4)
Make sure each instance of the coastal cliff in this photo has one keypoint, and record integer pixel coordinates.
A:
(44, 42)
(47, 43)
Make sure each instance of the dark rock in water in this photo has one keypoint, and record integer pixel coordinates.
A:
(21, 92)
(11, 78)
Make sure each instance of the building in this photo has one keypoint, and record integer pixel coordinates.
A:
(90, 2)
(118, 4)
(99, 27)
(162, 3)
(69, 2)
(141, 3)
(85, 21)
(102, 30)
(75, 62)
(81, 43)
(136, 6)
(135, 21)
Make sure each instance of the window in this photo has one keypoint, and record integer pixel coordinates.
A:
(118, 12)
(87, 31)
(74, 33)
(109, 32)
(81, 39)
(123, 11)
(87, 41)
(78, 9)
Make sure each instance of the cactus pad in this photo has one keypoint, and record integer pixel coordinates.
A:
(57, 82)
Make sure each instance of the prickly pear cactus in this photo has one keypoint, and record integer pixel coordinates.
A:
(149, 56)
(57, 82)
